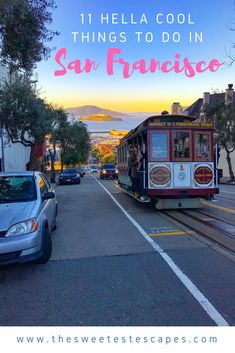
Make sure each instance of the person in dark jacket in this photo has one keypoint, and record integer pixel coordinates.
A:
(141, 171)
(134, 171)
(130, 151)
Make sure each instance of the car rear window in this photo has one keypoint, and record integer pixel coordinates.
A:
(17, 189)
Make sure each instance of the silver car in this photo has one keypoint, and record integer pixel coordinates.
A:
(28, 212)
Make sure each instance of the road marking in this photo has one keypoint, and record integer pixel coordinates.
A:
(197, 294)
(221, 208)
(170, 233)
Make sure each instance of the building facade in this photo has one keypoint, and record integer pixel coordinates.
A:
(195, 110)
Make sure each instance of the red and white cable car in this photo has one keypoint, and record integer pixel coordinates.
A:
(175, 162)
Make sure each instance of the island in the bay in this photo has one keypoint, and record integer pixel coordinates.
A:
(100, 117)
(94, 113)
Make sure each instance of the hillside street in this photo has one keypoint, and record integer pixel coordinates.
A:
(103, 272)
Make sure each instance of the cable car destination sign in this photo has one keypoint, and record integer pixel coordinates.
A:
(157, 123)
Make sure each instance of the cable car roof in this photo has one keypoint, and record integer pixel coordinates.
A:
(166, 120)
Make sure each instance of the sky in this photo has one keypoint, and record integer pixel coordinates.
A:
(147, 91)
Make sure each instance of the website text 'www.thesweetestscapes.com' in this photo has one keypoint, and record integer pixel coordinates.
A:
(128, 339)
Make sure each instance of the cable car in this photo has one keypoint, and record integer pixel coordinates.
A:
(168, 160)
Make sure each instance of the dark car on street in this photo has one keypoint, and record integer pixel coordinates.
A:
(81, 171)
(108, 171)
(70, 176)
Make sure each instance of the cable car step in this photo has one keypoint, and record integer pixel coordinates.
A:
(144, 199)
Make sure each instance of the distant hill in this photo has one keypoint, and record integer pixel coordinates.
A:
(89, 110)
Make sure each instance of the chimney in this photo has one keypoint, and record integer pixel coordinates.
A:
(206, 100)
(229, 94)
(206, 97)
(176, 108)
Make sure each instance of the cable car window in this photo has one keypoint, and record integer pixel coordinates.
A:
(159, 146)
(181, 145)
(202, 146)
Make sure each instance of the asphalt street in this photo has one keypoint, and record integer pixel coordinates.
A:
(103, 271)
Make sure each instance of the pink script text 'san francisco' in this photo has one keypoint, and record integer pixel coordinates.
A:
(113, 60)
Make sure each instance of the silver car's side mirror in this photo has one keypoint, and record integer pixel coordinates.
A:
(48, 195)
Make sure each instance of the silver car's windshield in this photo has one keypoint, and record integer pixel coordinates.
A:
(17, 189)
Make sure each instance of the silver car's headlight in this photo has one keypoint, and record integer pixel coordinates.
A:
(23, 228)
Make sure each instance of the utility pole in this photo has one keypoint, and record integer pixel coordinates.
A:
(2, 148)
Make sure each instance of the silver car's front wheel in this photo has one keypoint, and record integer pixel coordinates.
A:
(46, 248)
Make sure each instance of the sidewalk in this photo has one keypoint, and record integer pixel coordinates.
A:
(225, 180)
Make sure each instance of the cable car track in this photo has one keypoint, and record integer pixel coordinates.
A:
(211, 229)
(228, 201)
(216, 217)
(214, 223)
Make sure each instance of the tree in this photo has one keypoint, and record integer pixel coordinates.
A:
(96, 154)
(27, 119)
(229, 53)
(24, 116)
(59, 122)
(109, 158)
(223, 117)
(24, 32)
(75, 144)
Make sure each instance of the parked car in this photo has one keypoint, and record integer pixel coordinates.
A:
(94, 169)
(70, 176)
(28, 213)
(81, 171)
(108, 171)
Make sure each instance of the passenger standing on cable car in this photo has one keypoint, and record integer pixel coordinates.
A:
(134, 172)
(130, 152)
(140, 169)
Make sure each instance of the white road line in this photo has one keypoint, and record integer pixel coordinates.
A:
(197, 294)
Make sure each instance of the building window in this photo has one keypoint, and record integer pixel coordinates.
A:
(181, 145)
